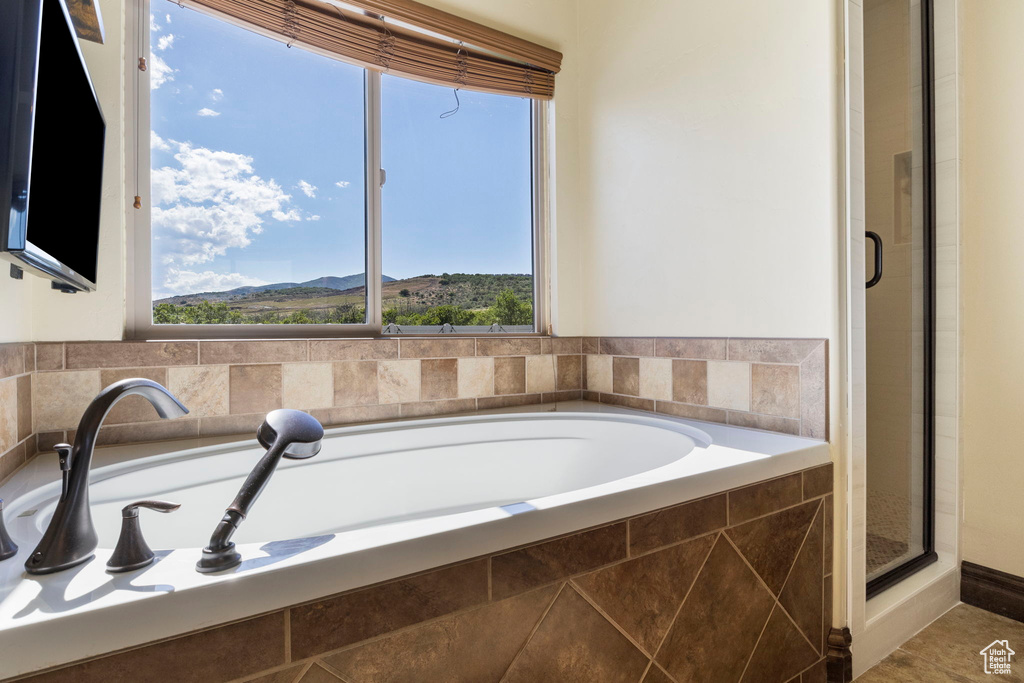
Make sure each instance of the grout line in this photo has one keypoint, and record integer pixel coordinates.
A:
(686, 596)
(329, 668)
(288, 635)
(790, 574)
(655, 665)
(757, 642)
(799, 630)
(607, 617)
(807, 534)
(816, 662)
(824, 586)
(754, 571)
(280, 668)
(533, 631)
(404, 629)
(303, 671)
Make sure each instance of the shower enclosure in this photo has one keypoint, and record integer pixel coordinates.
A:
(899, 205)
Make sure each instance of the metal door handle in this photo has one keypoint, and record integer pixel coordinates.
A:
(873, 236)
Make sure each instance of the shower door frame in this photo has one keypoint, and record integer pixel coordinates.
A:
(928, 554)
(877, 626)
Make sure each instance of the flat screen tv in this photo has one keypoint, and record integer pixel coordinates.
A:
(51, 146)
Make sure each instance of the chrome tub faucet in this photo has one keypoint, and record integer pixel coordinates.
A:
(70, 539)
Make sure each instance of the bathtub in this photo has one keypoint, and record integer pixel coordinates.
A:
(378, 502)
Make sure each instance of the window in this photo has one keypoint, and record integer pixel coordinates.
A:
(283, 182)
(457, 208)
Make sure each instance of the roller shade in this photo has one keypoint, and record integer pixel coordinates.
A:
(401, 37)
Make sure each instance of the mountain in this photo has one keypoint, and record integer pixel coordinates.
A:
(401, 300)
(347, 282)
(326, 282)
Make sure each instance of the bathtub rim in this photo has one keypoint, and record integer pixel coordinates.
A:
(196, 606)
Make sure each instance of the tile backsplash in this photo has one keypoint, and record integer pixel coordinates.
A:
(773, 384)
(17, 442)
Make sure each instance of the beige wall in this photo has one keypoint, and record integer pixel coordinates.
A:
(993, 283)
(708, 140)
(99, 314)
(15, 307)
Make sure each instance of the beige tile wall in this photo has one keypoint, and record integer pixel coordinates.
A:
(779, 385)
(773, 384)
(17, 445)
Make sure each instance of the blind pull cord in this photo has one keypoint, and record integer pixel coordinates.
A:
(453, 112)
(461, 72)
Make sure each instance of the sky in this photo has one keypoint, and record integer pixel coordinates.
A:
(257, 166)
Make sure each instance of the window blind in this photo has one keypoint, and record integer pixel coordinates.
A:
(404, 38)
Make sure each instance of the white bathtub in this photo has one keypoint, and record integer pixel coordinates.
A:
(378, 502)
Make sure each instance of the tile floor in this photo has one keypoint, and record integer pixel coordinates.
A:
(888, 520)
(948, 650)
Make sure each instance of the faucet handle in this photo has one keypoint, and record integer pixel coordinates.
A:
(131, 551)
(64, 456)
(64, 460)
(158, 505)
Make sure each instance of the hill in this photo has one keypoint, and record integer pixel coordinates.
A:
(327, 282)
(411, 299)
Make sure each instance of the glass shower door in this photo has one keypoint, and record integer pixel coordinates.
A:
(900, 261)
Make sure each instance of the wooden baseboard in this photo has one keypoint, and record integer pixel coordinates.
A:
(992, 590)
(839, 657)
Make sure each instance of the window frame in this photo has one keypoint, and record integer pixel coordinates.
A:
(138, 300)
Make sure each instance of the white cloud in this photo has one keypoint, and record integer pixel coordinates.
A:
(205, 111)
(314, 217)
(217, 95)
(308, 189)
(159, 72)
(189, 282)
(153, 26)
(210, 202)
(168, 18)
(165, 42)
(157, 142)
(343, 184)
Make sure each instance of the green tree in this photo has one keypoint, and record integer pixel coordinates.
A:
(508, 309)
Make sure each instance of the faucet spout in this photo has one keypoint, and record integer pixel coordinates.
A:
(70, 539)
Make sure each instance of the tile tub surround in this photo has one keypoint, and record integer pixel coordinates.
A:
(779, 385)
(774, 384)
(17, 438)
(649, 598)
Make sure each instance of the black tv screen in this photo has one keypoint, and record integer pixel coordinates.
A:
(55, 156)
